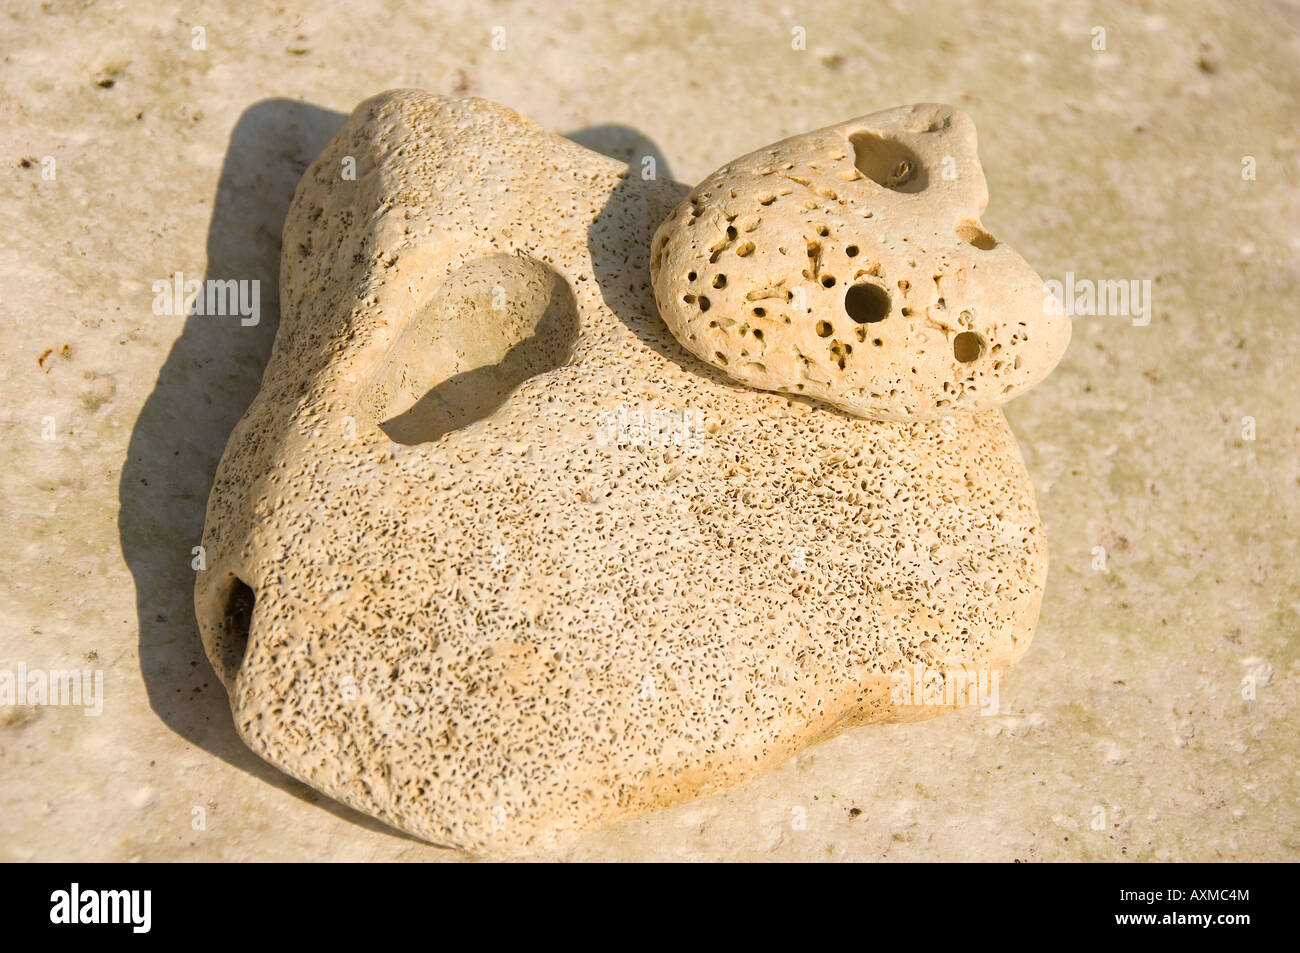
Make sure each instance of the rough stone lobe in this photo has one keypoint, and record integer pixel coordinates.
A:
(500, 629)
(849, 265)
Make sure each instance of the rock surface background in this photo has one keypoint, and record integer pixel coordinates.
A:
(1124, 733)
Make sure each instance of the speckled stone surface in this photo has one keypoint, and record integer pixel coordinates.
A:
(1153, 719)
(444, 586)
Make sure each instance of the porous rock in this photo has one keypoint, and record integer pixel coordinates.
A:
(493, 559)
(849, 265)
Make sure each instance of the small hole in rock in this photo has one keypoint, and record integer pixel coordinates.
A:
(867, 303)
(828, 281)
(704, 303)
(824, 329)
(719, 281)
(851, 251)
(972, 234)
(691, 276)
(236, 626)
(967, 347)
(760, 312)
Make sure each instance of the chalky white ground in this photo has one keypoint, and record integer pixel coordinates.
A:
(515, 631)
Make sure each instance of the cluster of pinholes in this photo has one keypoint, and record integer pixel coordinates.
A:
(837, 271)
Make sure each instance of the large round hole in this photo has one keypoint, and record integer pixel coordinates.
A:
(867, 303)
(888, 163)
(967, 347)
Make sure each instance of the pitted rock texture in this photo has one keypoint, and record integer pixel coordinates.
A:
(608, 580)
(849, 265)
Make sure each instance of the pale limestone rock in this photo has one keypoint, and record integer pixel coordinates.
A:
(598, 579)
(849, 265)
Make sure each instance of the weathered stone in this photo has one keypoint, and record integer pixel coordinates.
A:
(493, 559)
(849, 265)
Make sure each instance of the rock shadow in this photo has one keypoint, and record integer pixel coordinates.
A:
(209, 379)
